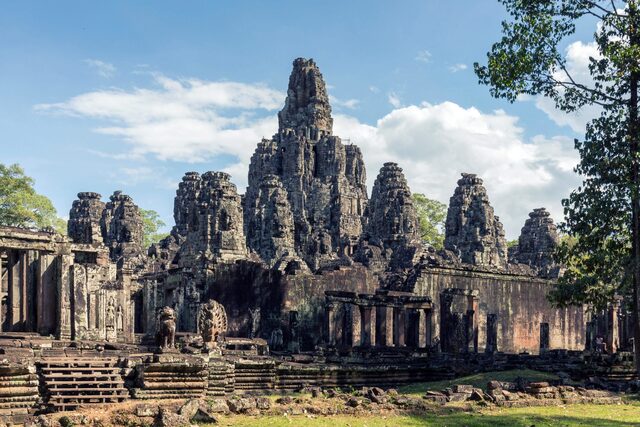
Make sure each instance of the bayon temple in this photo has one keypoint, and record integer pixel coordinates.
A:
(302, 277)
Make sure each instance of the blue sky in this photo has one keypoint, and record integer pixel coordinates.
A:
(104, 96)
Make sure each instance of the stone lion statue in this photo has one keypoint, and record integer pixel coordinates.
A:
(212, 322)
(166, 328)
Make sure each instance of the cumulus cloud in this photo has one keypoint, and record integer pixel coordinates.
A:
(434, 144)
(423, 56)
(193, 121)
(457, 67)
(577, 57)
(104, 69)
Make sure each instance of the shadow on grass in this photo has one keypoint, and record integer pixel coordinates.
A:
(509, 420)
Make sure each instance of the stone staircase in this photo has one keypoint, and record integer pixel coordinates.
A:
(72, 382)
(18, 392)
(221, 378)
(172, 377)
(255, 375)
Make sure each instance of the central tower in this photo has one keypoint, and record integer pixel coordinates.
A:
(306, 188)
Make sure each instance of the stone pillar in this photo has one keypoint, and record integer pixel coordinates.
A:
(365, 326)
(613, 332)
(329, 325)
(428, 327)
(544, 337)
(399, 326)
(14, 303)
(381, 326)
(413, 327)
(65, 296)
(2, 295)
(491, 345)
(473, 314)
(347, 329)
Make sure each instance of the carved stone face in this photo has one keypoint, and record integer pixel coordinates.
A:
(167, 313)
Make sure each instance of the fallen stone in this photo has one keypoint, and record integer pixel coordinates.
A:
(539, 384)
(263, 403)
(353, 402)
(218, 406)
(477, 395)
(494, 385)
(146, 410)
(458, 397)
(288, 400)
(462, 388)
(241, 405)
(167, 418)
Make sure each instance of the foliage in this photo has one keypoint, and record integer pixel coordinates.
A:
(512, 243)
(21, 206)
(431, 216)
(152, 224)
(599, 216)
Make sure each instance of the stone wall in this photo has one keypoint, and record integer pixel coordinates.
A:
(520, 306)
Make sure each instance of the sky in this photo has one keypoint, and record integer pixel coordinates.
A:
(121, 95)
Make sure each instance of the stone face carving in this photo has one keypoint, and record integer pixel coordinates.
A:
(123, 230)
(472, 231)
(270, 230)
(212, 322)
(537, 243)
(392, 218)
(217, 231)
(166, 328)
(84, 219)
(307, 101)
(323, 180)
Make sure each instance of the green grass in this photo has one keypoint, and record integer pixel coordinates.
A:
(478, 380)
(572, 415)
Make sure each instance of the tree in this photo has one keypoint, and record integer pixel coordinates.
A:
(431, 216)
(603, 214)
(21, 206)
(152, 223)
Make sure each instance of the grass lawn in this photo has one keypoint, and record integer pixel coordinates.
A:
(478, 380)
(572, 415)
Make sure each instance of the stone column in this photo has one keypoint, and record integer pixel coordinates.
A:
(2, 273)
(14, 303)
(347, 329)
(365, 326)
(473, 312)
(413, 327)
(399, 326)
(491, 345)
(65, 296)
(613, 332)
(381, 326)
(428, 327)
(329, 331)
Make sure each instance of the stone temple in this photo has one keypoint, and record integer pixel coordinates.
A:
(304, 268)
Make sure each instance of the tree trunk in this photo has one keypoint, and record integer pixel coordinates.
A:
(634, 135)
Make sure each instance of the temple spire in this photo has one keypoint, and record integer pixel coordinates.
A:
(306, 110)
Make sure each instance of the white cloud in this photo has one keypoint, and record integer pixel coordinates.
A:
(577, 57)
(434, 144)
(457, 67)
(394, 100)
(374, 89)
(349, 103)
(423, 56)
(193, 121)
(103, 69)
(185, 120)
